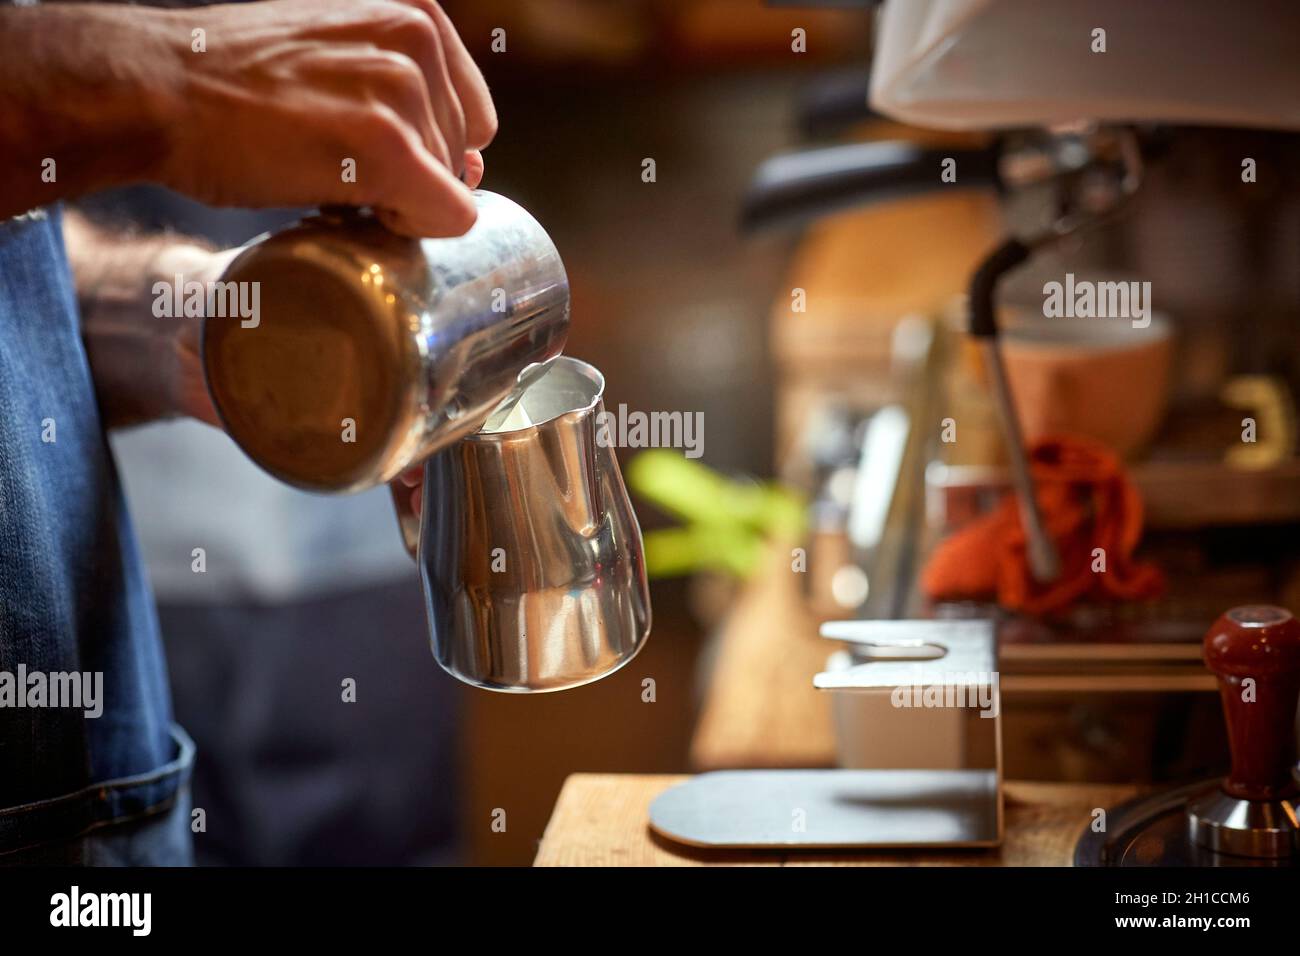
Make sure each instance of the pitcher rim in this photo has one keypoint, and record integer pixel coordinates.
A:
(586, 369)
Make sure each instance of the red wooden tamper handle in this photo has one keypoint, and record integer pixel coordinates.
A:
(1258, 643)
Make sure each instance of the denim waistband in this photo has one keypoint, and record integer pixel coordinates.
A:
(98, 805)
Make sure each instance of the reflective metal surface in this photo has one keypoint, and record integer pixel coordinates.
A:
(372, 350)
(831, 809)
(953, 664)
(1259, 828)
(531, 556)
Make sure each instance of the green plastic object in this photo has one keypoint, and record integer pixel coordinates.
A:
(725, 522)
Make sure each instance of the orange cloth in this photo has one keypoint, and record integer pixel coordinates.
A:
(1087, 502)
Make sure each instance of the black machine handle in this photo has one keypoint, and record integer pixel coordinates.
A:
(797, 187)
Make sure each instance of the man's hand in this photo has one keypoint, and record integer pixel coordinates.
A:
(291, 94)
(290, 102)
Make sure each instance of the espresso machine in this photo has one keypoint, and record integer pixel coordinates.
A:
(1121, 139)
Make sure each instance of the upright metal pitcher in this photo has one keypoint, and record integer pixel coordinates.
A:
(370, 350)
(531, 556)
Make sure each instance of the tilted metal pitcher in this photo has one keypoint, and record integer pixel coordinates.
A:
(531, 556)
(371, 350)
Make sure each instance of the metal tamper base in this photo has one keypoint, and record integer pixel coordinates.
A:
(1258, 828)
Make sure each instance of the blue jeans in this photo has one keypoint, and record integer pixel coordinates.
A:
(73, 594)
(160, 837)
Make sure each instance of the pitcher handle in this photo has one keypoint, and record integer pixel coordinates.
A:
(408, 522)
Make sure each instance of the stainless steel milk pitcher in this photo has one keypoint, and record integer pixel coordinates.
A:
(531, 556)
(370, 350)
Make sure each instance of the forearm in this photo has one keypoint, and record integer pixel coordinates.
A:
(145, 367)
(75, 114)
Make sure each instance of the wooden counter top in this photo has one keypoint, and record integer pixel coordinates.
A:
(600, 820)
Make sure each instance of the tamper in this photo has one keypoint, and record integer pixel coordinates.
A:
(1255, 812)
